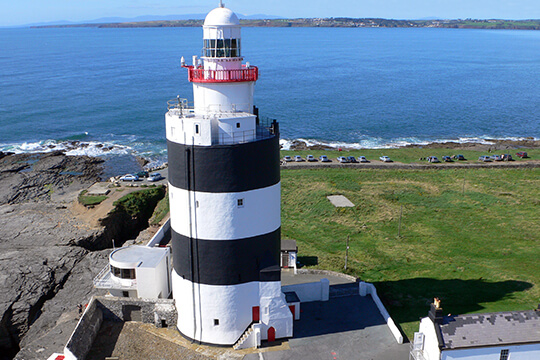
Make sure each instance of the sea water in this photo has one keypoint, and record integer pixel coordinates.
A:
(359, 87)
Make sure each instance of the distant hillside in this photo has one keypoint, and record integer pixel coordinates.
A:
(323, 22)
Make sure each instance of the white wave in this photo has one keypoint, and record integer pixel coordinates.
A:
(380, 143)
(70, 148)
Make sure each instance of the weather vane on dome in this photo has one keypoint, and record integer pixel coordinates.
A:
(221, 3)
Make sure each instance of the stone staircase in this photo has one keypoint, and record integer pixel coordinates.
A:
(243, 342)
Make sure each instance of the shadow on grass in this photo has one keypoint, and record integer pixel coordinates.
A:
(308, 260)
(408, 300)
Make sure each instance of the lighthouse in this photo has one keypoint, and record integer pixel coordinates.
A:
(224, 192)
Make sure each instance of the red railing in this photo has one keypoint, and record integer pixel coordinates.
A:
(217, 76)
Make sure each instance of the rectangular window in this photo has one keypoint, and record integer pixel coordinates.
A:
(197, 129)
(172, 131)
(196, 203)
(216, 322)
(237, 125)
(240, 203)
(505, 354)
(125, 293)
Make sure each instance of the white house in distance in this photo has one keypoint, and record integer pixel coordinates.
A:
(137, 271)
(509, 335)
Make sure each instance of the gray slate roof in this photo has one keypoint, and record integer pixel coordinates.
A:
(491, 329)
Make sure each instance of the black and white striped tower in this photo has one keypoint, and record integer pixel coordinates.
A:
(224, 189)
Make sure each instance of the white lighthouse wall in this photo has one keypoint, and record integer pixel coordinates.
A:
(222, 32)
(189, 130)
(217, 216)
(222, 63)
(231, 305)
(225, 97)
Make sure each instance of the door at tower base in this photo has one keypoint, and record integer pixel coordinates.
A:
(220, 314)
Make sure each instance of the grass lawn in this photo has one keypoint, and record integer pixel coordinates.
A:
(468, 236)
(90, 200)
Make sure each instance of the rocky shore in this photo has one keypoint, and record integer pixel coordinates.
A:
(49, 250)
(485, 145)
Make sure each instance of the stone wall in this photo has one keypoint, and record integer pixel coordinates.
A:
(160, 312)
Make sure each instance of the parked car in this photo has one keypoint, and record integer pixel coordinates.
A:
(496, 157)
(363, 159)
(311, 158)
(129, 177)
(154, 177)
(287, 158)
(142, 174)
(507, 157)
(298, 158)
(352, 159)
(433, 159)
(522, 154)
(324, 158)
(447, 159)
(485, 158)
(342, 159)
(459, 157)
(385, 159)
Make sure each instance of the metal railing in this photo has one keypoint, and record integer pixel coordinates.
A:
(105, 280)
(216, 76)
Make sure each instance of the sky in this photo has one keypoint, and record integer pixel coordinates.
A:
(21, 12)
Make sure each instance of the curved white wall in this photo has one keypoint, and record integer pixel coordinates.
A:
(224, 97)
(216, 216)
(200, 304)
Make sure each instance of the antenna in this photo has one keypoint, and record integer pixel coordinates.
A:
(221, 3)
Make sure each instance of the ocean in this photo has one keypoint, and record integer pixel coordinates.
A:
(103, 92)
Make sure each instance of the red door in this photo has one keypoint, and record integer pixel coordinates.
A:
(256, 313)
(271, 334)
(291, 307)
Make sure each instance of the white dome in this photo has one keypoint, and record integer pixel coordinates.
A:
(221, 16)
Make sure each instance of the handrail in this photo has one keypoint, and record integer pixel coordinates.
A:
(200, 75)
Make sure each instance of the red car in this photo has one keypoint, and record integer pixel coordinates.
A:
(522, 154)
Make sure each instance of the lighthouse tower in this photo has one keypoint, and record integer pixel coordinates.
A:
(224, 191)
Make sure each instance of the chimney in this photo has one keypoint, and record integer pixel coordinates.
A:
(436, 312)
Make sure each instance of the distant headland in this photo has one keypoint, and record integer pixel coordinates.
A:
(330, 22)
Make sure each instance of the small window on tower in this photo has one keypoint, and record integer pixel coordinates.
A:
(216, 322)
(237, 125)
(240, 203)
(197, 129)
(172, 131)
(505, 353)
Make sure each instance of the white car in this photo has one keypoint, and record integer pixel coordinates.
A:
(287, 158)
(311, 158)
(343, 159)
(154, 177)
(363, 159)
(298, 158)
(129, 177)
(385, 159)
(324, 158)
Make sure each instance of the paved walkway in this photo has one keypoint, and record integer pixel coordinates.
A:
(348, 327)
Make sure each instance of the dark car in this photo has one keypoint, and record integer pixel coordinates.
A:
(142, 174)
(352, 159)
(459, 157)
(447, 159)
(507, 157)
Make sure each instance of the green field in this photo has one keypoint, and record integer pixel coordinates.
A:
(468, 236)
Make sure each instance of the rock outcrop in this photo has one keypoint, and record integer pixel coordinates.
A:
(49, 254)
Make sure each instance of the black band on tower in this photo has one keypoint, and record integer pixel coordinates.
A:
(224, 168)
(227, 262)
